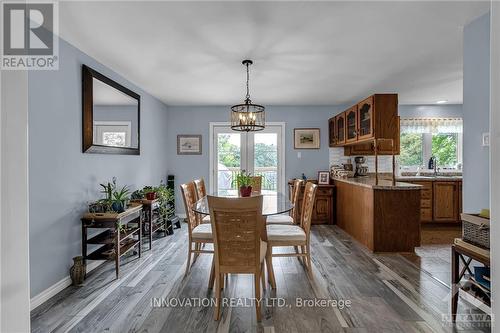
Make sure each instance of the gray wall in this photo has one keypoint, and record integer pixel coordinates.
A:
(195, 120)
(62, 180)
(443, 110)
(476, 107)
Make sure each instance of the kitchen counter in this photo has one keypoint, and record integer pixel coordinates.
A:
(381, 216)
(439, 178)
(383, 184)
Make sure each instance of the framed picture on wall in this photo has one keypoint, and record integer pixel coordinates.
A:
(323, 177)
(188, 144)
(306, 138)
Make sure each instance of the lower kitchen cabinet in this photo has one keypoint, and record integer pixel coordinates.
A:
(323, 210)
(440, 200)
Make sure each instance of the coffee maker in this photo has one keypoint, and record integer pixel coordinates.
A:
(361, 170)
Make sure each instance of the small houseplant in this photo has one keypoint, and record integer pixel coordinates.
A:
(120, 198)
(149, 192)
(244, 181)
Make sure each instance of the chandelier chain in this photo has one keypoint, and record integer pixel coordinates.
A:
(248, 79)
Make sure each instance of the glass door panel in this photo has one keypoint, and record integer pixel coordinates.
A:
(365, 114)
(351, 125)
(341, 128)
(229, 161)
(265, 160)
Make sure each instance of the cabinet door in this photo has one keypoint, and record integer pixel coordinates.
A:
(340, 128)
(351, 119)
(445, 202)
(332, 137)
(365, 119)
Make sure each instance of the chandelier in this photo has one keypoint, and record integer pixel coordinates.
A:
(247, 117)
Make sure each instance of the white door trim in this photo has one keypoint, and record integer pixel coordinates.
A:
(211, 133)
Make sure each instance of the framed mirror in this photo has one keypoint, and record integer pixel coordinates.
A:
(111, 115)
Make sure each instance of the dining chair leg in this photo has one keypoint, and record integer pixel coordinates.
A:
(257, 296)
(222, 280)
(297, 251)
(308, 256)
(212, 274)
(263, 276)
(197, 247)
(269, 262)
(188, 259)
(217, 297)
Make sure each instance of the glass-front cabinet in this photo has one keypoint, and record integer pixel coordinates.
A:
(365, 119)
(340, 129)
(331, 132)
(352, 122)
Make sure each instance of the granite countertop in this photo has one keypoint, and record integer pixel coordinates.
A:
(383, 184)
(429, 178)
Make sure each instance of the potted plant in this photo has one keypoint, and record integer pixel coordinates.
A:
(120, 199)
(149, 192)
(244, 181)
(164, 195)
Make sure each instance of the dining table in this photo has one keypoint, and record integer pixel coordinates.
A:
(272, 203)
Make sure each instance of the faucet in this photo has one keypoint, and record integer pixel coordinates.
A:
(433, 165)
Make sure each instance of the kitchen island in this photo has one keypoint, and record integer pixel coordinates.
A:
(383, 216)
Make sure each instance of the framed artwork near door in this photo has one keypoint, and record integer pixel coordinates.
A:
(306, 138)
(188, 144)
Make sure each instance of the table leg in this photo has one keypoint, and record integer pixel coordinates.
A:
(84, 247)
(140, 235)
(455, 279)
(117, 249)
(150, 227)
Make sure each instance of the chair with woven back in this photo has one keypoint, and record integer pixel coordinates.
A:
(201, 192)
(291, 218)
(198, 233)
(298, 236)
(237, 225)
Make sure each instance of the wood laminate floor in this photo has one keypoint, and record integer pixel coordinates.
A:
(388, 293)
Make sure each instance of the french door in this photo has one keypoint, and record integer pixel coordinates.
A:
(259, 153)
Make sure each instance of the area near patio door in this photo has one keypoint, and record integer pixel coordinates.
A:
(260, 153)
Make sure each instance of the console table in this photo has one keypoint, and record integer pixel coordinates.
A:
(120, 233)
(153, 221)
(465, 252)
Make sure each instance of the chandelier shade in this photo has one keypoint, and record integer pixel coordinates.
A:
(248, 117)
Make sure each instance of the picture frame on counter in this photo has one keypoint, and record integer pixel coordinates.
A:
(306, 138)
(323, 177)
(188, 144)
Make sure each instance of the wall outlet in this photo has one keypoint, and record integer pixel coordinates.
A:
(299, 154)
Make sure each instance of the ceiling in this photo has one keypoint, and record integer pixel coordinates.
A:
(305, 53)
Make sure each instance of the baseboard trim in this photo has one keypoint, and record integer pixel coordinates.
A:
(181, 216)
(51, 291)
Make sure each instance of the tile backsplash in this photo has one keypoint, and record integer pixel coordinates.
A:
(336, 156)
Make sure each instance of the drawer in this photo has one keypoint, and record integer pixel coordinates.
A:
(426, 214)
(324, 191)
(426, 194)
(426, 203)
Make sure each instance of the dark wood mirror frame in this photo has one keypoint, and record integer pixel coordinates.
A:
(88, 146)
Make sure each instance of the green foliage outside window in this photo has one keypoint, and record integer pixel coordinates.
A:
(411, 149)
(444, 147)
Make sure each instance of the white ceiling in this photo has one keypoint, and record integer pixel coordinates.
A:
(305, 53)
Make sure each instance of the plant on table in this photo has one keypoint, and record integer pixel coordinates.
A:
(245, 182)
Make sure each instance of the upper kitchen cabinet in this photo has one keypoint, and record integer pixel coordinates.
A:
(375, 117)
(351, 117)
(331, 132)
(365, 119)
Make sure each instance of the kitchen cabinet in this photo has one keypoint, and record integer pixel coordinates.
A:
(445, 201)
(440, 200)
(323, 211)
(331, 132)
(376, 117)
(351, 118)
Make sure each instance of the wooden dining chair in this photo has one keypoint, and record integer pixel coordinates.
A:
(237, 225)
(291, 218)
(201, 192)
(256, 185)
(279, 235)
(198, 233)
